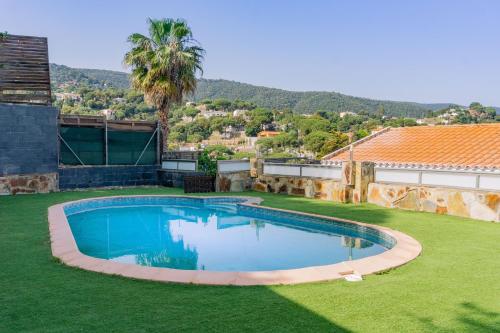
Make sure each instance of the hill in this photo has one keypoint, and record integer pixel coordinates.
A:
(303, 102)
(300, 102)
(97, 78)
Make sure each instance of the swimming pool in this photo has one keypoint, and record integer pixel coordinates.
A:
(215, 235)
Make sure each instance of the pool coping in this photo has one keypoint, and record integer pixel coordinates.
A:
(64, 247)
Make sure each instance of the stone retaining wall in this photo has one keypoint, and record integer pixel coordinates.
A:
(310, 188)
(480, 205)
(36, 183)
(237, 181)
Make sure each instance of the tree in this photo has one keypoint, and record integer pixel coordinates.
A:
(252, 128)
(194, 138)
(191, 112)
(316, 140)
(265, 144)
(381, 111)
(164, 65)
(311, 124)
(337, 141)
(323, 143)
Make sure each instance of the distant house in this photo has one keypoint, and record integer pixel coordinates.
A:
(268, 134)
(119, 100)
(269, 127)
(213, 113)
(239, 113)
(202, 107)
(346, 113)
(187, 119)
(230, 132)
(108, 113)
(68, 97)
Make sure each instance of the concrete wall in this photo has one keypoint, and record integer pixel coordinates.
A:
(28, 149)
(107, 176)
(482, 205)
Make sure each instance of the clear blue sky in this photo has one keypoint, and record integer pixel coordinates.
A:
(420, 50)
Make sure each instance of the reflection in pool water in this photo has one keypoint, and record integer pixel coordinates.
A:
(210, 237)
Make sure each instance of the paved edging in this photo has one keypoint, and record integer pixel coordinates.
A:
(64, 247)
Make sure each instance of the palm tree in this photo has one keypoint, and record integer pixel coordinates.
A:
(164, 65)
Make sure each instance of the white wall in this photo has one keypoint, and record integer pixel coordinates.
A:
(455, 179)
(396, 176)
(322, 172)
(280, 169)
(233, 166)
(303, 170)
(179, 165)
(449, 179)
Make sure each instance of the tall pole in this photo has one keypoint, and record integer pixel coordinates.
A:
(158, 143)
(106, 140)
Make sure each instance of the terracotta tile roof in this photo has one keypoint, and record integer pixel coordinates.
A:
(451, 146)
(267, 134)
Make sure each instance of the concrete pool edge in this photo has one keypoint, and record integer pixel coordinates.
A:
(64, 247)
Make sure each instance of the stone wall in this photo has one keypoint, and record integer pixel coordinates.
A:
(237, 181)
(324, 189)
(35, 183)
(107, 176)
(352, 187)
(480, 205)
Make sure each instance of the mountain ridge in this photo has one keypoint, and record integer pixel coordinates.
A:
(298, 101)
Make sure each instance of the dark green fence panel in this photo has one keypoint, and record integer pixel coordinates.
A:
(87, 143)
(126, 147)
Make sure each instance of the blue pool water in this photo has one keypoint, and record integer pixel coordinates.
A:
(214, 234)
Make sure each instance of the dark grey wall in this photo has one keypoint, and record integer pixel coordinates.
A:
(28, 139)
(171, 178)
(113, 175)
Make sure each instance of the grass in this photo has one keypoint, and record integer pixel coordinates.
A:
(454, 286)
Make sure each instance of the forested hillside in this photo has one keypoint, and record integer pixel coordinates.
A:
(303, 102)
(299, 102)
(97, 78)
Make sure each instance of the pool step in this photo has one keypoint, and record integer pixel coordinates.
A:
(229, 208)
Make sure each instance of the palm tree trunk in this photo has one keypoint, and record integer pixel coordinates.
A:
(163, 117)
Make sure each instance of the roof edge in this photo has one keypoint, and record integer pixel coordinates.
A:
(355, 143)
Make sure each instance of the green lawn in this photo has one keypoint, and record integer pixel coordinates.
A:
(454, 286)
